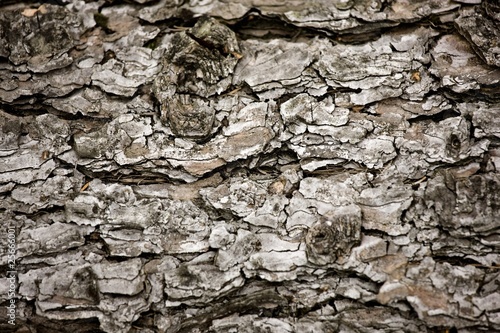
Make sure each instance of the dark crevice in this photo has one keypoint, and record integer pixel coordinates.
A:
(336, 169)
(44, 325)
(276, 28)
(102, 22)
(108, 55)
(18, 111)
(456, 260)
(146, 320)
(448, 113)
(489, 94)
(245, 304)
(42, 211)
(373, 232)
(335, 90)
(443, 329)
(129, 178)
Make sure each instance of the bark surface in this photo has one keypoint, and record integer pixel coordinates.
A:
(251, 165)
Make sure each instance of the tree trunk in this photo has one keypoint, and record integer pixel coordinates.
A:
(250, 166)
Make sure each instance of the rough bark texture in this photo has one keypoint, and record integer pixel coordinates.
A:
(252, 165)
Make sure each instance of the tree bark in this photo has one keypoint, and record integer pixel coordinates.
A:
(250, 166)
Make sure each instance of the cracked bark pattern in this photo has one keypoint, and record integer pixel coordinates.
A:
(251, 166)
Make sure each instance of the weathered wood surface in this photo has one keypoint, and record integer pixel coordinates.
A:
(251, 166)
